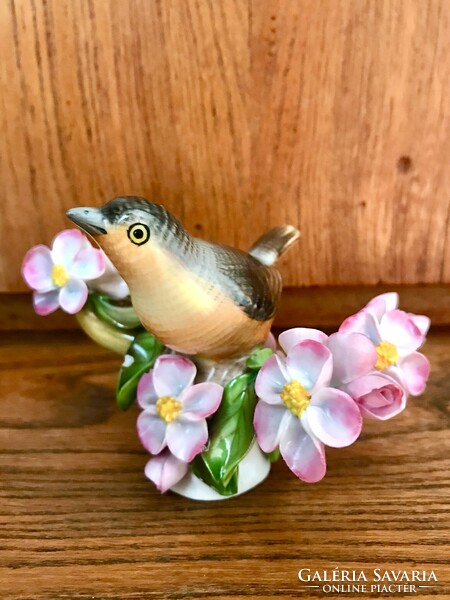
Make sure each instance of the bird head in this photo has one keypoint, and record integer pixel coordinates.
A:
(129, 229)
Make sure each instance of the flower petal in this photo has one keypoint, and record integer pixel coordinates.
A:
(110, 282)
(268, 423)
(304, 455)
(290, 338)
(186, 439)
(152, 432)
(421, 322)
(172, 374)
(333, 417)
(116, 288)
(270, 342)
(383, 404)
(45, 303)
(354, 355)
(362, 322)
(66, 246)
(415, 369)
(377, 395)
(165, 470)
(73, 296)
(271, 379)
(201, 400)
(382, 304)
(398, 328)
(88, 264)
(310, 363)
(146, 393)
(37, 269)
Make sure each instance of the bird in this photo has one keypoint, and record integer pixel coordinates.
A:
(197, 297)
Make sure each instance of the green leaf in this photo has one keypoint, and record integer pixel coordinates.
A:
(200, 468)
(273, 456)
(143, 352)
(117, 314)
(256, 360)
(231, 435)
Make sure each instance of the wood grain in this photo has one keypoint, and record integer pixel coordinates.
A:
(353, 96)
(107, 98)
(305, 307)
(79, 520)
(332, 115)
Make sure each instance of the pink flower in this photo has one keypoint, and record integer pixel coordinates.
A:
(291, 337)
(175, 410)
(110, 282)
(377, 395)
(271, 342)
(396, 335)
(298, 411)
(58, 276)
(354, 354)
(165, 470)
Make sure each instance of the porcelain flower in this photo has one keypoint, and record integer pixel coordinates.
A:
(271, 342)
(354, 356)
(58, 275)
(396, 335)
(175, 410)
(110, 282)
(377, 395)
(300, 413)
(165, 470)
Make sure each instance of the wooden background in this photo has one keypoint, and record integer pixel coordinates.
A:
(79, 521)
(333, 115)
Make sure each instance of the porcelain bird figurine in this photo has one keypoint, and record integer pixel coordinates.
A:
(197, 297)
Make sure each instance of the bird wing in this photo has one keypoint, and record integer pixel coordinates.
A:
(251, 285)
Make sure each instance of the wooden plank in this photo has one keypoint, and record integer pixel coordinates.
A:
(237, 115)
(329, 306)
(353, 136)
(106, 98)
(79, 520)
(306, 307)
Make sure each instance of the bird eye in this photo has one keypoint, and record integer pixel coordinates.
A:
(139, 233)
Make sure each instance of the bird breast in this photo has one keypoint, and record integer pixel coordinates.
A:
(187, 311)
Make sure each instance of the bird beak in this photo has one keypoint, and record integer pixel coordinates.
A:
(89, 219)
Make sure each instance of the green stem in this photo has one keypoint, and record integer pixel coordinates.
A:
(103, 334)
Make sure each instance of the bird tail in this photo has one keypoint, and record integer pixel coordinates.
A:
(270, 246)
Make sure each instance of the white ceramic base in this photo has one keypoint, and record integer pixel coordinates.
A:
(253, 469)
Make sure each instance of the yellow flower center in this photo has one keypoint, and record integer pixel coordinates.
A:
(387, 355)
(168, 408)
(295, 397)
(59, 275)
